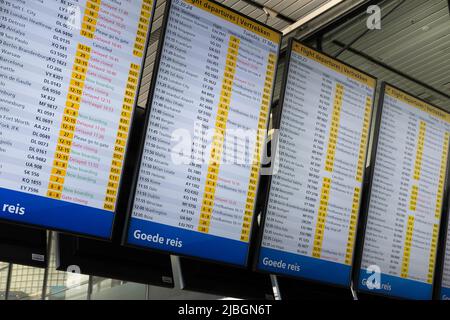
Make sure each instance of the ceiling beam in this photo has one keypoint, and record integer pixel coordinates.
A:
(398, 5)
(267, 10)
(390, 68)
(327, 6)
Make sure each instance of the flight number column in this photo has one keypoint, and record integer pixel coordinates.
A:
(219, 136)
(38, 147)
(329, 163)
(400, 219)
(307, 231)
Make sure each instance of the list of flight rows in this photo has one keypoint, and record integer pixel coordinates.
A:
(212, 94)
(314, 197)
(68, 78)
(407, 190)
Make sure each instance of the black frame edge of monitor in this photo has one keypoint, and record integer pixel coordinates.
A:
(142, 142)
(218, 279)
(363, 212)
(298, 289)
(277, 122)
(365, 206)
(43, 227)
(12, 251)
(135, 134)
(101, 261)
(442, 243)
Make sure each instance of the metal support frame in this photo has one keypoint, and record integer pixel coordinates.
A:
(275, 287)
(399, 4)
(327, 6)
(390, 68)
(263, 7)
(8, 281)
(90, 288)
(319, 42)
(46, 271)
(319, 26)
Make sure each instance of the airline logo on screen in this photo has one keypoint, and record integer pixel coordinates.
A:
(13, 209)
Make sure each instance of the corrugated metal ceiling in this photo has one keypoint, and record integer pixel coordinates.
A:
(414, 39)
(294, 9)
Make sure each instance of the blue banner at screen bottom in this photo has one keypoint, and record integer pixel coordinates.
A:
(55, 214)
(295, 265)
(396, 286)
(187, 242)
(445, 293)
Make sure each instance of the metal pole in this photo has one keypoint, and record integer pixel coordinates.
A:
(392, 69)
(275, 287)
(262, 7)
(48, 257)
(147, 292)
(90, 287)
(8, 281)
(319, 43)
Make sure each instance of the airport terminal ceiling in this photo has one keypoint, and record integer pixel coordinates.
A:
(287, 16)
(411, 51)
(414, 39)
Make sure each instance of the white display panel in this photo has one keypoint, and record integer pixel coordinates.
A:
(196, 191)
(313, 205)
(406, 198)
(69, 74)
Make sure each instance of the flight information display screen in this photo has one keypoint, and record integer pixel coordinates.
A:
(199, 171)
(406, 197)
(69, 74)
(313, 203)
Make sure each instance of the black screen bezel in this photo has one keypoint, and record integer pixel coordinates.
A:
(277, 123)
(119, 191)
(365, 207)
(142, 143)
